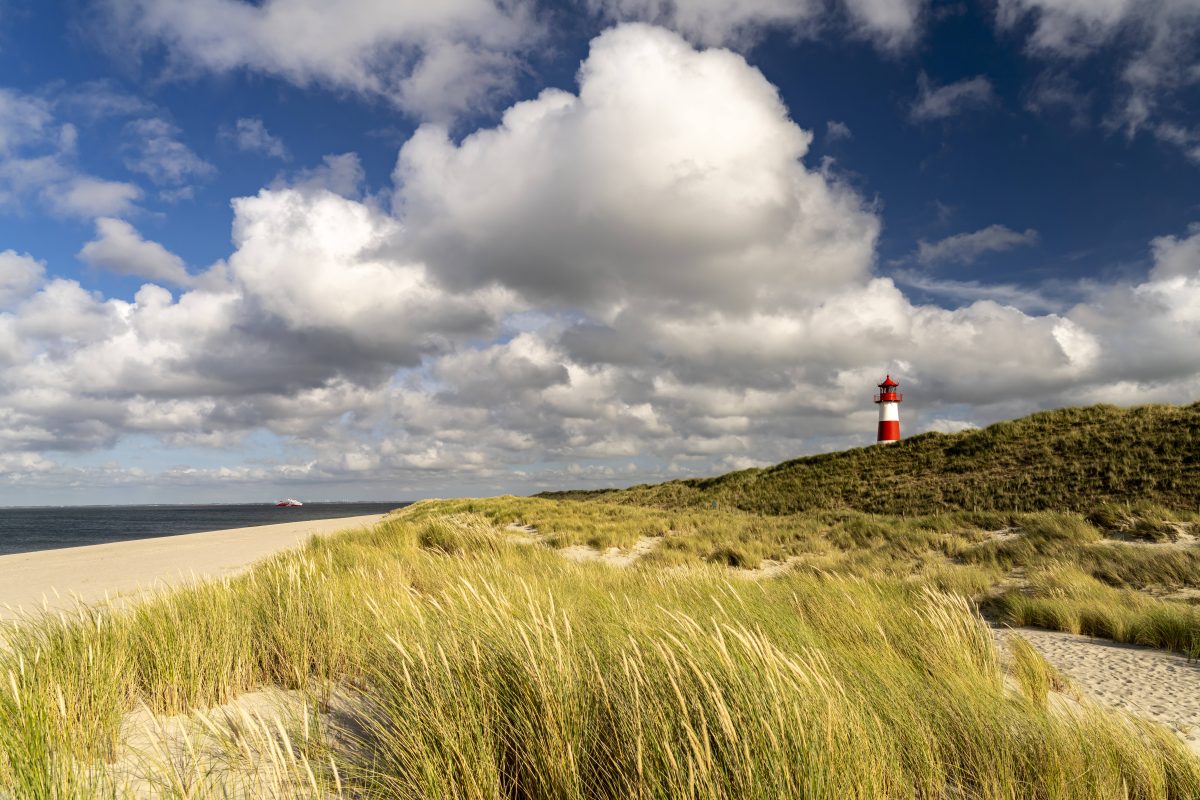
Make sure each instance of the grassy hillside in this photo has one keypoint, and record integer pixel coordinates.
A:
(1071, 459)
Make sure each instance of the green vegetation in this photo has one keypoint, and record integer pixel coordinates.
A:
(813, 630)
(1105, 498)
(473, 666)
(1071, 459)
(1065, 598)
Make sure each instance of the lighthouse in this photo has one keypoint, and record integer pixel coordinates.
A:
(889, 401)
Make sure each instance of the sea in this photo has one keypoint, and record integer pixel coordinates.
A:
(26, 529)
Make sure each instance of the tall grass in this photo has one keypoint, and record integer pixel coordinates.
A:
(468, 666)
(1063, 597)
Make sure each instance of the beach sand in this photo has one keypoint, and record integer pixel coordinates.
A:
(1162, 686)
(54, 579)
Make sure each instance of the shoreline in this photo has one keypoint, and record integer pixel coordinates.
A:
(56, 579)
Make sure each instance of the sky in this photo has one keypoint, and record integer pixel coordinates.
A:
(392, 250)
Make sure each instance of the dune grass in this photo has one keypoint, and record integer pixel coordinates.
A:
(475, 667)
(1069, 459)
(1064, 597)
(851, 542)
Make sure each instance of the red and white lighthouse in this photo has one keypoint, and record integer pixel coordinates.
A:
(889, 400)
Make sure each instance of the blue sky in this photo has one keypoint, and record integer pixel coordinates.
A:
(489, 247)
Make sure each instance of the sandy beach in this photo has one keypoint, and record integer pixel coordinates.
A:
(56, 578)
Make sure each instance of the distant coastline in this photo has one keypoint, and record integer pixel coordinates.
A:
(56, 578)
(25, 529)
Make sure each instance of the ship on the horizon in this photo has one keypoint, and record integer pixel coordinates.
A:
(288, 503)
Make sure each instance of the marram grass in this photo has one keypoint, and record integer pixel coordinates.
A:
(1076, 459)
(462, 665)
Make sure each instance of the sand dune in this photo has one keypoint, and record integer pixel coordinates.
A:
(55, 578)
(1153, 683)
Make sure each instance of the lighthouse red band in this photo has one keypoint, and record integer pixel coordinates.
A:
(889, 400)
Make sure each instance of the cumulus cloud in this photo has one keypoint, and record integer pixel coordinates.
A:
(119, 248)
(340, 173)
(965, 248)
(683, 184)
(1176, 257)
(20, 275)
(432, 59)
(645, 272)
(940, 102)
(349, 290)
(250, 135)
(300, 330)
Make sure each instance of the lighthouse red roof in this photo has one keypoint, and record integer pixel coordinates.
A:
(888, 382)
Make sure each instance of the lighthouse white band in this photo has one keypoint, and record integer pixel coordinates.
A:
(889, 412)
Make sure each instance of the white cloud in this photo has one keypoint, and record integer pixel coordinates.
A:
(316, 262)
(940, 102)
(455, 77)
(429, 58)
(1073, 27)
(155, 151)
(341, 174)
(1186, 139)
(23, 119)
(298, 332)
(1058, 91)
(439, 60)
(889, 23)
(715, 22)
(965, 248)
(101, 99)
(1025, 298)
(250, 135)
(121, 249)
(1154, 42)
(835, 130)
(543, 293)
(20, 276)
(87, 196)
(1175, 257)
(943, 425)
(37, 162)
(674, 174)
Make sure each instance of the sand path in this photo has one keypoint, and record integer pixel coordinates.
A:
(1162, 686)
(613, 555)
(56, 578)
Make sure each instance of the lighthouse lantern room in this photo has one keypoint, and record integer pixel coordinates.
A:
(889, 400)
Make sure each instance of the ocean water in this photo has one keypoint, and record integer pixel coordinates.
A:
(45, 528)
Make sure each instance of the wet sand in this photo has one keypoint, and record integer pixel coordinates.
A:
(54, 579)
